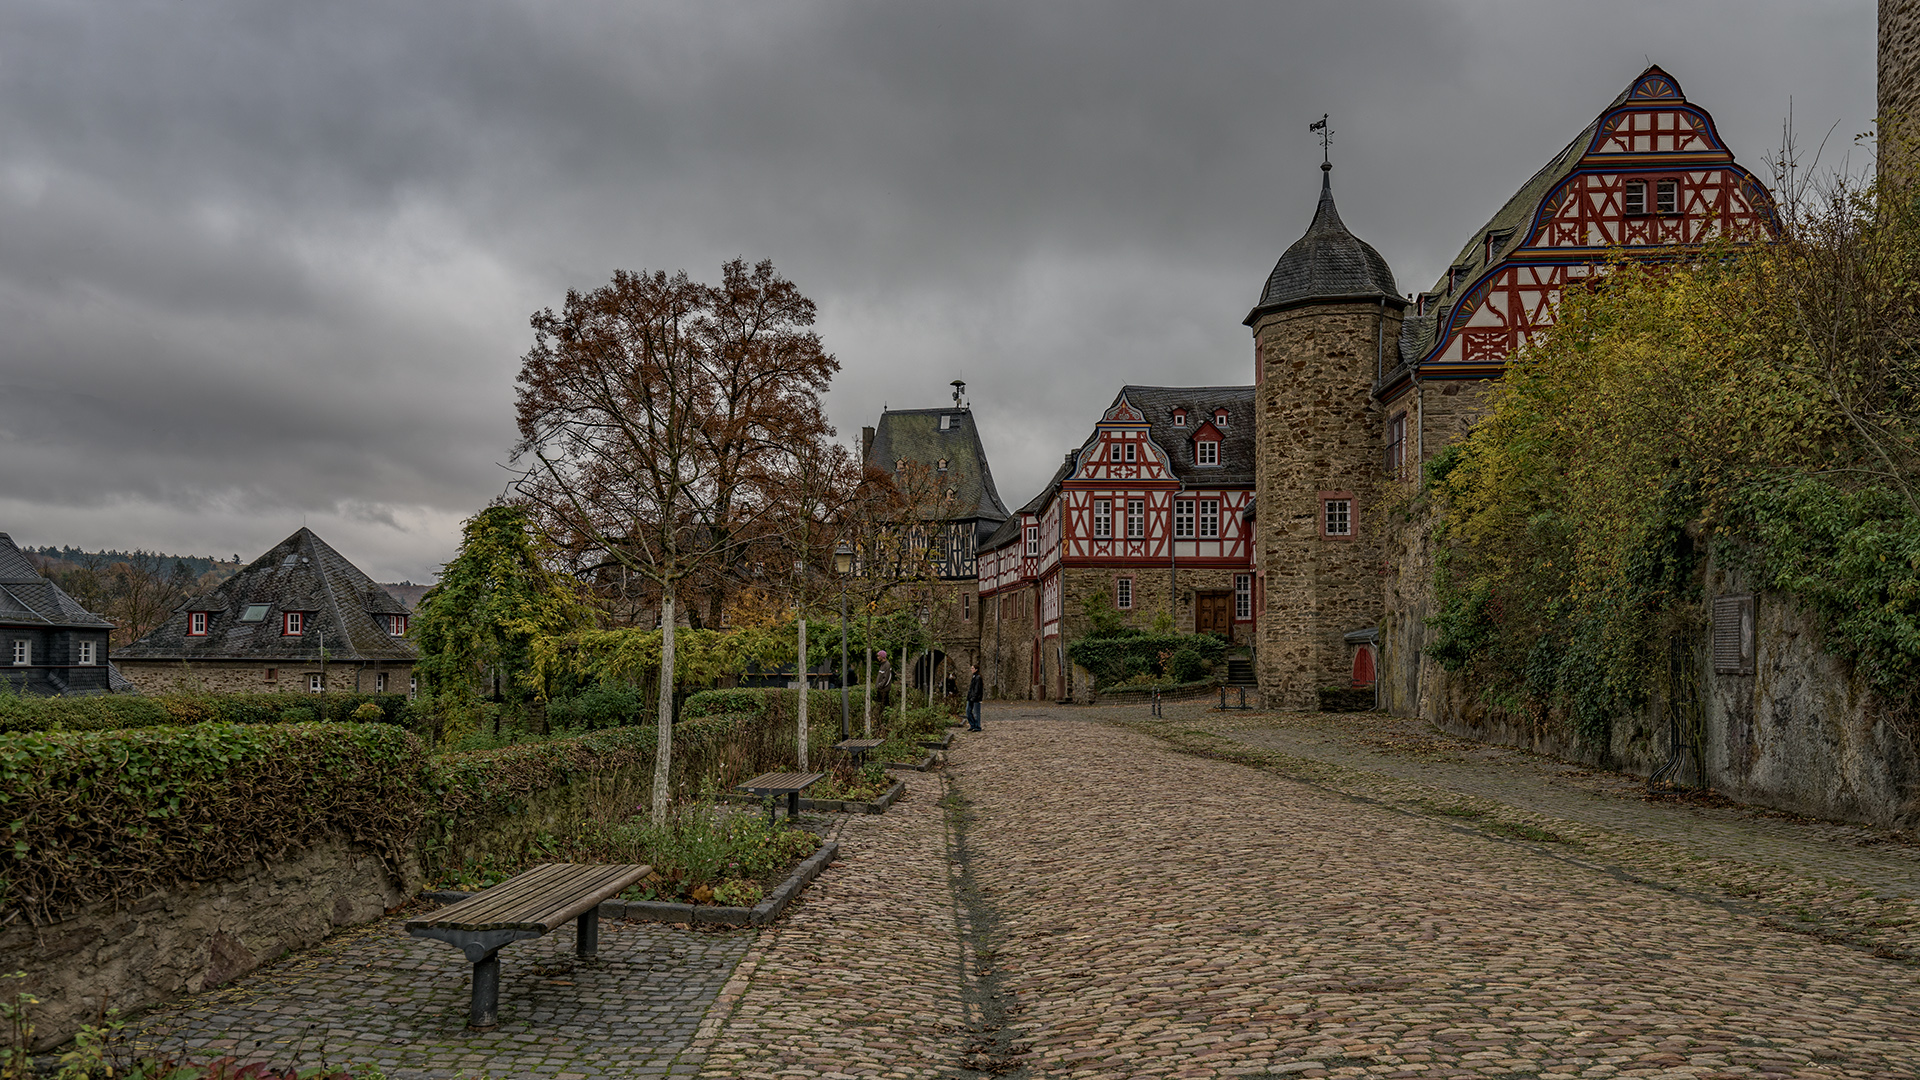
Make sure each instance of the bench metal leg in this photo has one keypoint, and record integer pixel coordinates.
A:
(793, 807)
(484, 1013)
(586, 934)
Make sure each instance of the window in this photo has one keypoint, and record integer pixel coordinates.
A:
(942, 467)
(293, 624)
(1102, 519)
(22, 652)
(1635, 200)
(254, 612)
(273, 673)
(380, 682)
(966, 606)
(397, 625)
(1136, 518)
(316, 684)
(1033, 540)
(1397, 447)
(1113, 451)
(1206, 453)
(1220, 418)
(197, 624)
(1336, 516)
(86, 657)
(1179, 418)
(413, 685)
(1243, 596)
(1130, 451)
(1666, 196)
(1209, 519)
(1183, 519)
(1123, 593)
(946, 421)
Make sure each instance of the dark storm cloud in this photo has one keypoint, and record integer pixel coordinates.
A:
(260, 263)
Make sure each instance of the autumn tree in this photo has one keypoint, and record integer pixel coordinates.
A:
(654, 415)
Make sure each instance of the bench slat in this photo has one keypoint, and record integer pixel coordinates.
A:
(780, 782)
(541, 899)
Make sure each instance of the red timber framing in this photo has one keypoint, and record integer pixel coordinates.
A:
(1653, 181)
(1117, 507)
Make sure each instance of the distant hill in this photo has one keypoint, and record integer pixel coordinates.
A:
(163, 565)
(407, 593)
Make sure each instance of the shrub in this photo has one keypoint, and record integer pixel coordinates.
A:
(1118, 659)
(1187, 665)
(118, 712)
(741, 699)
(118, 814)
(603, 706)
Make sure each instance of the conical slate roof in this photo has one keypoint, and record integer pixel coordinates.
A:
(1328, 263)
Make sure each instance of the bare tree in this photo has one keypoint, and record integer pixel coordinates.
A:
(655, 413)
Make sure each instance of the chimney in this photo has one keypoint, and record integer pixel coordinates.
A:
(866, 444)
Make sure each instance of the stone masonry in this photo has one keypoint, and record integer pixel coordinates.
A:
(1319, 436)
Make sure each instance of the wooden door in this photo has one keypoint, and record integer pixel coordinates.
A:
(1213, 614)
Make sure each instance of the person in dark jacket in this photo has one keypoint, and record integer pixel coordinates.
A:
(883, 682)
(975, 692)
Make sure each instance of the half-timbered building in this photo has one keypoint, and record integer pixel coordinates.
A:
(1149, 515)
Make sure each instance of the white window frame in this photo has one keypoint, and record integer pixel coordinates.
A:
(86, 653)
(1220, 418)
(1113, 451)
(1243, 597)
(1136, 519)
(1206, 452)
(1336, 517)
(413, 687)
(379, 682)
(397, 625)
(1130, 453)
(1633, 198)
(1209, 519)
(1123, 593)
(197, 624)
(1103, 519)
(22, 652)
(1666, 196)
(293, 624)
(316, 683)
(1179, 418)
(1183, 519)
(1033, 541)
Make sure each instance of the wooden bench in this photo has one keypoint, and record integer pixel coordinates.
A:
(774, 784)
(528, 906)
(858, 748)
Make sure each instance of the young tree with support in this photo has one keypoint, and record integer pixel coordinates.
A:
(655, 413)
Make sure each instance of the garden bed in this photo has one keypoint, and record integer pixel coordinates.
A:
(921, 765)
(876, 805)
(942, 742)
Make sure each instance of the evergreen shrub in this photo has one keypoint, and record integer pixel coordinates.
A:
(114, 712)
(1116, 659)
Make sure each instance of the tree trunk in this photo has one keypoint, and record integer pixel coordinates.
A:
(663, 756)
(802, 665)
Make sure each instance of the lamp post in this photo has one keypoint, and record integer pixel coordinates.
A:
(843, 564)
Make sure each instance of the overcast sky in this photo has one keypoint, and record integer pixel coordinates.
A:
(265, 263)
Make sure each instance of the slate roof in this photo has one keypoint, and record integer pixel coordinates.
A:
(302, 573)
(1158, 403)
(1327, 263)
(27, 599)
(916, 435)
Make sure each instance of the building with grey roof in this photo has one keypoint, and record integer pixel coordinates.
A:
(298, 618)
(49, 644)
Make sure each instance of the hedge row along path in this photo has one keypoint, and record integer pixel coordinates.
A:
(1083, 895)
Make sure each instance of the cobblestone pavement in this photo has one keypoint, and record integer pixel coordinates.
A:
(1083, 893)
(1162, 914)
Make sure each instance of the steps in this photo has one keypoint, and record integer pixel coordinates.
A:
(1240, 672)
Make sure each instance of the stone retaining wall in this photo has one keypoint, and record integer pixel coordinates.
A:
(190, 938)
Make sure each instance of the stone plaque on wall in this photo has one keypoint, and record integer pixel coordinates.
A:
(1733, 635)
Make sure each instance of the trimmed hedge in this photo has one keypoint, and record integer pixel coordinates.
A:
(120, 712)
(115, 815)
(1183, 657)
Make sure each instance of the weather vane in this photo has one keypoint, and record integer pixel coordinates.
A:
(1326, 138)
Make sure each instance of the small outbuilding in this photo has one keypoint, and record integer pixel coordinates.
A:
(49, 644)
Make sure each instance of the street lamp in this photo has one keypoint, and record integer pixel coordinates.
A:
(842, 565)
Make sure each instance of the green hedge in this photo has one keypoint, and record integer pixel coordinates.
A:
(118, 712)
(1184, 657)
(114, 815)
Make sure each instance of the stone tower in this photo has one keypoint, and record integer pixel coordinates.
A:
(1899, 87)
(1321, 332)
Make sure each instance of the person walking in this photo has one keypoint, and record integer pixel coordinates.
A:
(975, 691)
(883, 682)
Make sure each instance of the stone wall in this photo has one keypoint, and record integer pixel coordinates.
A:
(1320, 431)
(190, 938)
(1007, 637)
(250, 677)
(1899, 85)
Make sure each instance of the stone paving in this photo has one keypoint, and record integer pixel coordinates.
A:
(1083, 893)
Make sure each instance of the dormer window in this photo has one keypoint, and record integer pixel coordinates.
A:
(1206, 452)
(943, 465)
(1634, 200)
(397, 625)
(197, 624)
(1179, 418)
(1220, 418)
(293, 623)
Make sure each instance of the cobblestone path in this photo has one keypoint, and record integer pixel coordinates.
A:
(1161, 914)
